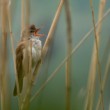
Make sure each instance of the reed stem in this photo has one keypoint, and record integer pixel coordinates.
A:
(5, 105)
(12, 47)
(69, 49)
(97, 56)
(28, 59)
(106, 74)
(95, 63)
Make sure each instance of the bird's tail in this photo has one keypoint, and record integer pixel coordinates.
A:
(20, 84)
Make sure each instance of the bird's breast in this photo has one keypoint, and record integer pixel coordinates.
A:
(36, 51)
(36, 54)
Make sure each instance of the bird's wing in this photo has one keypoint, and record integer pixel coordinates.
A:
(19, 67)
(19, 58)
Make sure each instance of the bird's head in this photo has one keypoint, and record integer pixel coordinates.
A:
(31, 32)
(35, 31)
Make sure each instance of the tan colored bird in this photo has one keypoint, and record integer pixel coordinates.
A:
(36, 49)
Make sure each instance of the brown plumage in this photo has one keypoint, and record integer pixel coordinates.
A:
(19, 67)
(20, 52)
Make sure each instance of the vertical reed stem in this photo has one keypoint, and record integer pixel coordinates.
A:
(52, 29)
(22, 14)
(106, 73)
(95, 61)
(25, 23)
(97, 57)
(101, 11)
(69, 49)
(5, 105)
(12, 45)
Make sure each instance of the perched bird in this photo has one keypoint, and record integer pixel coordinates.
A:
(29, 34)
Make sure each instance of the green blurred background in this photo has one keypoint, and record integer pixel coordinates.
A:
(41, 14)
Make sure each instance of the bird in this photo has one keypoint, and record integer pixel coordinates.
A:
(29, 34)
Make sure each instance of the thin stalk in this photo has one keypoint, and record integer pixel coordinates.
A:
(12, 46)
(5, 105)
(97, 57)
(106, 75)
(69, 49)
(22, 15)
(0, 52)
(101, 12)
(95, 60)
(26, 10)
(52, 29)
(0, 73)
(84, 38)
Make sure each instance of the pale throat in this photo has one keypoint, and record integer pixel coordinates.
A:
(36, 42)
(36, 49)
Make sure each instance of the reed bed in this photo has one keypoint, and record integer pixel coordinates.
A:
(95, 61)
(26, 98)
(84, 38)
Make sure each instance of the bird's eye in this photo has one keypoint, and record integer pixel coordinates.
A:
(31, 31)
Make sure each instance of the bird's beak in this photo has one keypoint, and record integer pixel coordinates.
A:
(37, 34)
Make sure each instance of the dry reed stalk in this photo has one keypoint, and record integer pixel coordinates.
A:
(97, 57)
(27, 12)
(0, 51)
(101, 12)
(22, 15)
(73, 51)
(26, 20)
(69, 49)
(0, 73)
(5, 105)
(12, 46)
(52, 29)
(26, 99)
(106, 73)
(95, 60)
(0, 14)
